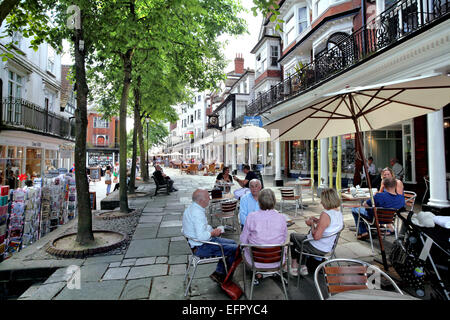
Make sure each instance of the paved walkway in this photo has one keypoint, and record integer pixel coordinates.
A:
(154, 264)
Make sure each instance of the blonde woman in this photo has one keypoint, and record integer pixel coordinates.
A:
(389, 173)
(329, 222)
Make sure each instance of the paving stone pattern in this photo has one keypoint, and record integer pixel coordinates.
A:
(154, 264)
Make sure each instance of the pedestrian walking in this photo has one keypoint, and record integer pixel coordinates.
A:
(108, 180)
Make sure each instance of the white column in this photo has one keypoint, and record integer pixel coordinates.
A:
(233, 157)
(277, 160)
(436, 160)
(324, 161)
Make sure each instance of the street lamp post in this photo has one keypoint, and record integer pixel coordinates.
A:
(147, 120)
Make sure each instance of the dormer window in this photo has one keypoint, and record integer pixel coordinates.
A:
(302, 20)
(274, 56)
(290, 29)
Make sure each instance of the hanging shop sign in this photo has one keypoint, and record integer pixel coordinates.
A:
(255, 121)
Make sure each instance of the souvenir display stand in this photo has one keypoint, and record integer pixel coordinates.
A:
(4, 199)
(29, 213)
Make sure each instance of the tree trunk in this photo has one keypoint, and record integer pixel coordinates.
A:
(84, 232)
(123, 130)
(143, 152)
(6, 7)
(137, 119)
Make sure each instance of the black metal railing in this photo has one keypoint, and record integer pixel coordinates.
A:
(20, 113)
(396, 22)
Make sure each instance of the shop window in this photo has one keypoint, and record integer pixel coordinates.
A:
(300, 155)
(11, 165)
(408, 153)
(51, 160)
(33, 163)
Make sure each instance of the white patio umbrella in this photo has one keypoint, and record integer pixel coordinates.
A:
(223, 138)
(366, 108)
(249, 133)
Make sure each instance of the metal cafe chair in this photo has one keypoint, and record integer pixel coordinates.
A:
(196, 261)
(307, 188)
(328, 256)
(288, 194)
(264, 253)
(228, 210)
(386, 216)
(353, 275)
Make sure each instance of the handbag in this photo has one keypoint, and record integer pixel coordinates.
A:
(108, 181)
(233, 290)
(116, 180)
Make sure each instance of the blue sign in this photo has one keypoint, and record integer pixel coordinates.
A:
(255, 121)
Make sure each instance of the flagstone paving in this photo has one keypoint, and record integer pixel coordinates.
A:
(154, 264)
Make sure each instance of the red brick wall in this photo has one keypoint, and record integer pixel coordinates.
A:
(268, 73)
(288, 48)
(334, 10)
(92, 132)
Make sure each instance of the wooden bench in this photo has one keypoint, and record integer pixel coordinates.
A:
(160, 186)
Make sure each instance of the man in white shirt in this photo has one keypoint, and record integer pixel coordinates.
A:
(397, 168)
(195, 226)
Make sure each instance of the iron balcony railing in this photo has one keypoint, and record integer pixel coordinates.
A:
(398, 21)
(20, 113)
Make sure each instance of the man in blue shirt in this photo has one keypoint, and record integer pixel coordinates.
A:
(249, 202)
(195, 226)
(386, 199)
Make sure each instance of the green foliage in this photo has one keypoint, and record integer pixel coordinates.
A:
(157, 132)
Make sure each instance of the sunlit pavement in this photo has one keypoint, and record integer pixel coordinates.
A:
(154, 264)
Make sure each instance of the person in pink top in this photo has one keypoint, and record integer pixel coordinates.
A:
(265, 226)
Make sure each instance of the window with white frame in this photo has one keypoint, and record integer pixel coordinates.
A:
(199, 114)
(15, 83)
(264, 59)
(50, 103)
(302, 19)
(274, 56)
(50, 59)
(101, 140)
(14, 110)
(321, 6)
(290, 29)
(100, 123)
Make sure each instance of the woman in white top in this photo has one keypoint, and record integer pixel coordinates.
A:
(330, 221)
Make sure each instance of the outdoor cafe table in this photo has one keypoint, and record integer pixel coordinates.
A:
(225, 185)
(356, 201)
(368, 294)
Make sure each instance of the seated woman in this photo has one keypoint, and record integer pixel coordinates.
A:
(399, 188)
(330, 221)
(265, 226)
(224, 176)
(389, 173)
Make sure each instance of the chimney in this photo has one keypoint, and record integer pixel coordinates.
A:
(239, 64)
